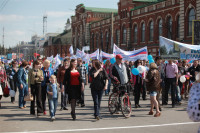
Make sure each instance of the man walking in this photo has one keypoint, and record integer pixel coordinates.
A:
(171, 74)
(84, 75)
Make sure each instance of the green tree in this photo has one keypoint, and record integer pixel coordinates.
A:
(163, 50)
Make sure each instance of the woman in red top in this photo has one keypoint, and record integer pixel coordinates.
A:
(73, 82)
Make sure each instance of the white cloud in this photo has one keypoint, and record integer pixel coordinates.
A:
(58, 14)
(8, 18)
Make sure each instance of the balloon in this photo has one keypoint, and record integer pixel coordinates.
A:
(150, 57)
(112, 60)
(198, 77)
(104, 61)
(12, 93)
(193, 109)
(182, 79)
(151, 61)
(135, 71)
(141, 68)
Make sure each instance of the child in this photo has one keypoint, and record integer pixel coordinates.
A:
(53, 91)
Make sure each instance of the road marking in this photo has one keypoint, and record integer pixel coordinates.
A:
(109, 128)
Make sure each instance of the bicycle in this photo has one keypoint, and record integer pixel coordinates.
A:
(119, 99)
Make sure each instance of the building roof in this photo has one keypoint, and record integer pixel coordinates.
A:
(146, 0)
(151, 2)
(63, 38)
(103, 10)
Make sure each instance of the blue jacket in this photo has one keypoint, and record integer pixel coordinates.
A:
(22, 76)
(45, 77)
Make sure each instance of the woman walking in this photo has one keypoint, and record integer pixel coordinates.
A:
(35, 77)
(3, 78)
(13, 80)
(98, 85)
(153, 86)
(74, 85)
(107, 68)
(22, 85)
(138, 85)
(47, 72)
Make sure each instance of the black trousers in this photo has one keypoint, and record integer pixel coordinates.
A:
(44, 96)
(36, 92)
(144, 90)
(169, 83)
(13, 86)
(137, 91)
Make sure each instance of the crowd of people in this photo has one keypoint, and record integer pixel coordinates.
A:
(42, 81)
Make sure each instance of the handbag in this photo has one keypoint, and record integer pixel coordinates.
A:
(28, 97)
(1, 91)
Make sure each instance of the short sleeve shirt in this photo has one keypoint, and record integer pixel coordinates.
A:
(171, 70)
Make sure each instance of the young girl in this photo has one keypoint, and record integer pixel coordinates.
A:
(53, 91)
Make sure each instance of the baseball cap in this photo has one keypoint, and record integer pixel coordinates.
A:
(118, 56)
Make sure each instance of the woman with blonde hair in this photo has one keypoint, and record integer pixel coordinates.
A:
(153, 86)
(47, 72)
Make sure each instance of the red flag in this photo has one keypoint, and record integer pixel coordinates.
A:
(36, 55)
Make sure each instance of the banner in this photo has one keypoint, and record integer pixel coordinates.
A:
(79, 53)
(71, 51)
(173, 49)
(105, 55)
(131, 55)
(94, 55)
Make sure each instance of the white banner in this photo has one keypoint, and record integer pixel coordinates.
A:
(94, 55)
(174, 49)
(131, 55)
(105, 55)
(71, 51)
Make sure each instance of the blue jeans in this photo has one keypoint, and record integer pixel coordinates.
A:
(97, 96)
(108, 88)
(64, 98)
(178, 93)
(52, 106)
(22, 92)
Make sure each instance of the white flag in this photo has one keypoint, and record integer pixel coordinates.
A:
(71, 51)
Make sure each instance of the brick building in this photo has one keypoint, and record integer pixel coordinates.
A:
(58, 44)
(135, 24)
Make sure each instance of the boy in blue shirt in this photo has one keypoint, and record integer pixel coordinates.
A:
(53, 92)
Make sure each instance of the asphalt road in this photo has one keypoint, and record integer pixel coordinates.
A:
(172, 120)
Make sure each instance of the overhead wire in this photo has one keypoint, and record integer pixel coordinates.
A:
(3, 5)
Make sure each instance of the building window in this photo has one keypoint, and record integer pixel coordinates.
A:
(101, 41)
(97, 41)
(107, 41)
(191, 17)
(151, 31)
(135, 34)
(93, 41)
(117, 37)
(169, 27)
(160, 28)
(178, 27)
(124, 35)
(143, 32)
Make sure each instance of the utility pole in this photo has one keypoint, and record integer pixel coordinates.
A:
(2, 50)
(44, 24)
(112, 29)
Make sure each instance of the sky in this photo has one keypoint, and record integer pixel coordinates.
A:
(22, 19)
